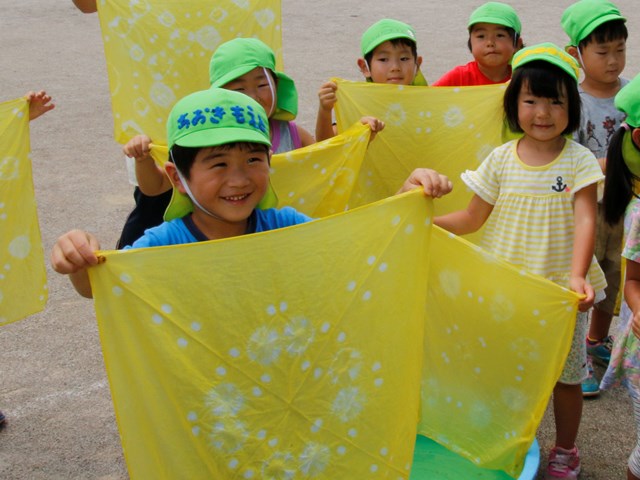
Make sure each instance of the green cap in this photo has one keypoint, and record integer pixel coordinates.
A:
(583, 17)
(547, 52)
(498, 14)
(628, 101)
(389, 29)
(210, 118)
(236, 57)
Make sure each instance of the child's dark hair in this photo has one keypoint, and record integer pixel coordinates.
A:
(396, 42)
(546, 80)
(184, 157)
(607, 32)
(512, 33)
(618, 182)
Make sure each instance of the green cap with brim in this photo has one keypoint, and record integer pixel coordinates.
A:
(210, 118)
(236, 57)
(628, 101)
(389, 29)
(498, 14)
(547, 52)
(583, 17)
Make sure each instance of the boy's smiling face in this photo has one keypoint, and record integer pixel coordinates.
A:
(394, 64)
(229, 181)
(491, 45)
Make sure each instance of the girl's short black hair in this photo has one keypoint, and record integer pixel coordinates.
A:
(542, 79)
(395, 42)
(184, 157)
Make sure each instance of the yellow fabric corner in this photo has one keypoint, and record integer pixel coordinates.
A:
(251, 358)
(158, 51)
(23, 281)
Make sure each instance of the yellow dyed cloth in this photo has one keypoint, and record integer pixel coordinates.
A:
(23, 281)
(300, 353)
(318, 179)
(294, 353)
(447, 129)
(158, 51)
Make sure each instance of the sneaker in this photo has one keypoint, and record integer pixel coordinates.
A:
(600, 352)
(590, 385)
(563, 464)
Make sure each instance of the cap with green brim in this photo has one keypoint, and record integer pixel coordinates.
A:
(389, 29)
(627, 100)
(583, 17)
(547, 52)
(236, 57)
(497, 13)
(210, 118)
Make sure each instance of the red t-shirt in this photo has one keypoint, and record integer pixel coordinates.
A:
(466, 76)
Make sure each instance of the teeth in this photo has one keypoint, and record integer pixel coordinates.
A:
(236, 198)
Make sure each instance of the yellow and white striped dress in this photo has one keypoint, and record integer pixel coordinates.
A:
(532, 221)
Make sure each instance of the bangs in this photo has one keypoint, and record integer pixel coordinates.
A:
(607, 32)
(543, 81)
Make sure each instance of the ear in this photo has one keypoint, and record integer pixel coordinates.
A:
(172, 173)
(362, 65)
(635, 136)
(418, 61)
(519, 43)
(573, 51)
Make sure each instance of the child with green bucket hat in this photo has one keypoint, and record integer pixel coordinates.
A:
(597, 39)
(622, 187)
(494, 37)
(246, 65)
(537, 195)
(219, 153)
(389, 55)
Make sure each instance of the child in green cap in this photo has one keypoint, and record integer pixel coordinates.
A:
(494, 36)
(597, 37)
(389, 55)
(219, 149)
(246, 65)
(537, 195)
(621, 200)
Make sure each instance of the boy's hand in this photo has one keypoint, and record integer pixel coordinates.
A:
(38, 104)
(375, 125)
(433, 183)
(74, 251)
(581, 287)
(138, 147)
(327, 96)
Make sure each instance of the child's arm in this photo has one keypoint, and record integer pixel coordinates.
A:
(434, 184)
(468, 220)
(38, 104)
(72, 253)
(632, 293)
(305, 136)
(584, 239)
(151, 179)
(324, 122)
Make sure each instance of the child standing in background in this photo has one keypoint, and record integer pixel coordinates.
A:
(538, 197)
(389, 55)
(620, 196)
(598, 35)
(494, 36)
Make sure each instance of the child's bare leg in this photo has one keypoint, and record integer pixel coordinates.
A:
(567, 410)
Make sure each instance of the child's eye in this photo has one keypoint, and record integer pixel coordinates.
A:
(255, 160)
(218, 165)
(405, 59)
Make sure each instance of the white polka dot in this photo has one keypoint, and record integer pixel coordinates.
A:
(273, 442)
(117, 291)
(384, 451)
(477, 370)
(371, 260)
(373, 468)
(182, 342)
(248, 474)
(291, 194)
(536, 312)
(257, 391)
(265, 378)
(351, 286)
(378, 382)
(518, 378)
(125, 278)
(366, 295)
(195, 326)
(20, 247)
(192, 416)
(376, 366)
(301, 201)
(543, 323)
(234, 352)
(166, 308)
(482, 342)
(352, 432)
(271, 310)
(317, 373)
(221, 371)
(459, 404)
(408, 229)
(315, 428)
(341, 450)
(261, 435)
(395, 220)
(156, 318)
(448, 399)
(480, 299)
(383, 267)
(283, 306)
(470, 294)
(233, 463)
(305, 365)
(325, 327)
(195, 430)
(342, 337)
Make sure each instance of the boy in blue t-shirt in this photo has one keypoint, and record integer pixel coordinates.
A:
(219, 158)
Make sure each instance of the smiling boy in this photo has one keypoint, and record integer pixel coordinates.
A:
(494, 37)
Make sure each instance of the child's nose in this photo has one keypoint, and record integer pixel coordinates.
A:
(237, 177)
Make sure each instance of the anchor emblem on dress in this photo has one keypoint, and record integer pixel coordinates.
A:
(559, 186)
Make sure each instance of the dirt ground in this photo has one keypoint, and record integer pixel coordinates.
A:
(53, 386)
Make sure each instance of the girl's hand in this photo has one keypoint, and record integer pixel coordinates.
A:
(581, 287)
(138, 148)
(433, 183)
(327, 96)
(74, 251)
(38, 104)
(375, 125)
